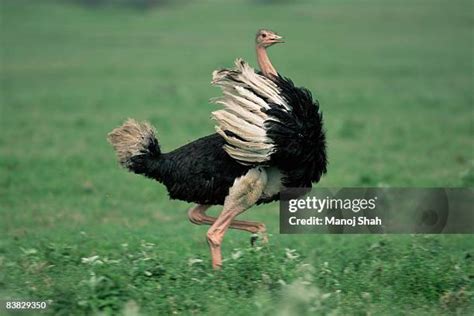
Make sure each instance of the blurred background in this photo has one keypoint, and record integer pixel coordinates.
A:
(394, 80)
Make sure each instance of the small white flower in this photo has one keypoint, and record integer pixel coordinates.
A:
(325, 296)
(366, 296)
(111, 261)
(147, 245)
(236, 255)
(30, 251)
(291, 254)
(192, 261)
(282, 282)
(197, 280)
(91, 260)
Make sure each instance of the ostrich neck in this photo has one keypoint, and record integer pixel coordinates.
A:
(264, 62)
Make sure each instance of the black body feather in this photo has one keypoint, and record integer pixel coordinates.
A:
(299, 136)
(200, 172)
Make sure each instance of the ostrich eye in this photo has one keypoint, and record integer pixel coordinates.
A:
(264, 35)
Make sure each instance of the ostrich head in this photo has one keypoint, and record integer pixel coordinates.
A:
(266, 38)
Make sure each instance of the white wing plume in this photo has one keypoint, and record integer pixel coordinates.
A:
(242, 122)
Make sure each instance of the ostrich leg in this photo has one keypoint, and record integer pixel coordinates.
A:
(244, 193)
(197, 215)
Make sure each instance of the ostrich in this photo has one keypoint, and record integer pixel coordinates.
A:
(269, 136)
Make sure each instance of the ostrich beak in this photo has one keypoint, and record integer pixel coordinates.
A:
(277, 39)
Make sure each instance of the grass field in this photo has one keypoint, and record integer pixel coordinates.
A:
(394, 79)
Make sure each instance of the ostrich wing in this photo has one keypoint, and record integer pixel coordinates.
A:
(241, 122)
(268, 122)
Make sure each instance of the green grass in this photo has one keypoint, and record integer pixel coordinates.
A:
(395, 83)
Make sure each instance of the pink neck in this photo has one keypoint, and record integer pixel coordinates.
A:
(264, 62)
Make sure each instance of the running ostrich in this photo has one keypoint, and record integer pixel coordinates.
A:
(269, 136)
